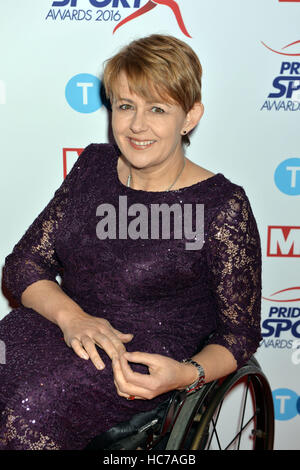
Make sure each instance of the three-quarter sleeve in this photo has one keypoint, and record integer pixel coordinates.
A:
(34, 257)
(234, 258)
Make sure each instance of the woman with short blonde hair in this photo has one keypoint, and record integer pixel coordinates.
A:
(137, 314)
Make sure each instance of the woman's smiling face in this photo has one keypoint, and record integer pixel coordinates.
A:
(146, 132)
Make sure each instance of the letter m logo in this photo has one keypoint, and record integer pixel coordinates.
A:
(283, 241)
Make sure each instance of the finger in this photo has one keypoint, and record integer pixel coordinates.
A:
(138, 357)
(109, 345)
(118, 377)
(131, 396)
(135, 378)
(76, 345)
(91, 350)
(124, 337)
(125, 395)
(117, 343)
(125, 388)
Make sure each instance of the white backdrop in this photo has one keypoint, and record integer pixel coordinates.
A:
(248, 49)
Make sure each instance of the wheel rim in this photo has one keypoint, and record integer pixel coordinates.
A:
(222, 425)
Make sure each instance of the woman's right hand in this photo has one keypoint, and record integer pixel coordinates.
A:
(83, 332)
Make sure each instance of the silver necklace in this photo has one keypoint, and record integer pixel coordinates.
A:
(177, 177)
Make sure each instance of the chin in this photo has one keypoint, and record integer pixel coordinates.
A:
(137, 158)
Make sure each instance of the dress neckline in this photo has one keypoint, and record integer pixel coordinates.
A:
(212, 180)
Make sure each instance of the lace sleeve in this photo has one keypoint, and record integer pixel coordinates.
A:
(33, 257)
(235, 265)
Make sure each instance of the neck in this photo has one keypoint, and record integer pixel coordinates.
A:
(137, 179)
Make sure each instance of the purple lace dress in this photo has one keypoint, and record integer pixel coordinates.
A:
(169, 297)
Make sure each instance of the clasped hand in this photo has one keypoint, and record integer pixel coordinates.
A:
(165, 374)
(84, 332)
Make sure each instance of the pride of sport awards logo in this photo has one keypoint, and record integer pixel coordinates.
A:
(114, 11)
(285, 92)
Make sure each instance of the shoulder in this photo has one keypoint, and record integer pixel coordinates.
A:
(223, 200)
(213, 188)
(98, 152)
(94, 162)
(230, 191)
(222, 191)
(230, 199)
(94, 157)
(216, 191)
(232, 216)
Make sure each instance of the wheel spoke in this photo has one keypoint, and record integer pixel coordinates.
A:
(216, 435)
(214, 432)
(242, 426)
(240, 432)
(243, 414)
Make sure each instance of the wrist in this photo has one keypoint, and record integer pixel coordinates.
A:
(194, 376)
(189, 375)
(64, 316)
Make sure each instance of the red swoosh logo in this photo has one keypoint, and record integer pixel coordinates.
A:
(151, 4)
(137, 13)
(285, 47)
(284, 290)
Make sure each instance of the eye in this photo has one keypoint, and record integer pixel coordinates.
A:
(156, 109)
(124, 107)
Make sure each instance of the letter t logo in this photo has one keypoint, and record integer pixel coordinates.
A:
(85, 87)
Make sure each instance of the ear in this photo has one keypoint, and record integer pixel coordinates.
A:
(193, 117)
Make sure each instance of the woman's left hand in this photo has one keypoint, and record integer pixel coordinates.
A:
(165, 374)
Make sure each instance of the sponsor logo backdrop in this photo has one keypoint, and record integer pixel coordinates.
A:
(250, 51)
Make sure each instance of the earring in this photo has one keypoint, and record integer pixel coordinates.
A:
(184, 132)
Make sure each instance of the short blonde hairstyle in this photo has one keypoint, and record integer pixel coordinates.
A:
(157, 65)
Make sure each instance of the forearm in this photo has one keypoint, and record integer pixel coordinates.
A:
(216, 361)
(82, 331)
(48, 299)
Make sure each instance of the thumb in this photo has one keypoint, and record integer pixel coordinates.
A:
(140, 358)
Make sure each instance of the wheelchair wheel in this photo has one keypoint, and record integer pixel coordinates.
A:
(234, 414)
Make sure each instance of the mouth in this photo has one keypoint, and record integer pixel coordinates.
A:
(140, 144)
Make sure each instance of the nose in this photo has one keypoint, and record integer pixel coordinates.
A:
(138, 123)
